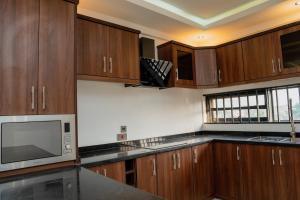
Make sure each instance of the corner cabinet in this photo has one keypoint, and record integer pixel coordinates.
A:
(206, 68)
(107, 52)
(183, 71)
(37, 74)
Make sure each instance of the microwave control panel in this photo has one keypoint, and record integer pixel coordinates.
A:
(67, 138)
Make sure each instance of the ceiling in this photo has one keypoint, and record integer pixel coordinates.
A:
(195, 22)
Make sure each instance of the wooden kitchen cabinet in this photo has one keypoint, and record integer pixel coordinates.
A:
(183, 71)
(259, 55)
(107, 52)
(230, 63)
(19, 57)
(257, 177)
(114, 171)
(147, 174)
(227, 170)
(206, 68)
(56, 57)
(37, 57)
(203, 171)
(287, 48)
(174, 171)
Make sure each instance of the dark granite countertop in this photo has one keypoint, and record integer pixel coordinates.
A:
(68, 184)
(100, 157)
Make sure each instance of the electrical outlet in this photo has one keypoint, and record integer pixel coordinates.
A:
(121, 136)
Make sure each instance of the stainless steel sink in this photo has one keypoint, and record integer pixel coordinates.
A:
(269, 139)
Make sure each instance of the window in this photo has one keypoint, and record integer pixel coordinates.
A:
(254, 106)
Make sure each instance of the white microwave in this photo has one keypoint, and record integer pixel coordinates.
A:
(33, 140)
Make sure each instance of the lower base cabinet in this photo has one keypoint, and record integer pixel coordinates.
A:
(174, 173)
(203, 172)
(147, 174)
(114, 171)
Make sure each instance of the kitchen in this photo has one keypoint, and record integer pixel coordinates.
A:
(139, 99)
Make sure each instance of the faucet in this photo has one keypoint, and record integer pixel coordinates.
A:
(293, 131)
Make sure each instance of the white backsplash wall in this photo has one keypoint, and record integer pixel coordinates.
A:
(104, 107)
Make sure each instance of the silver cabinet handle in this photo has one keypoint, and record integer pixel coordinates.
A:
(110, 65)
(32, 98)
(177, 78)
(220, 79)
(238, 157)
(104, 172)
(195, 156)
(279, 65)
(154, 167)
(273, 157)
(273, 65)
(280, 157)
(44, 97)
(178, 161)
(174, 161)
(104, 64)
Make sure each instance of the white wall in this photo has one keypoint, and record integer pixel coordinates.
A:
(104, 107)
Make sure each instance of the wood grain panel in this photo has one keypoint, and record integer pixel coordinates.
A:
(206, 67)
(203, 171)
(147, 174)
(227, 171)
(260, 57)
(230, 63)
(19, 28)
(56, 57)
(114, 171)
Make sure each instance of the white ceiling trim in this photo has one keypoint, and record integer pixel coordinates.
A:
(167, 9)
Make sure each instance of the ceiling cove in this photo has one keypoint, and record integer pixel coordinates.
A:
(184, 16)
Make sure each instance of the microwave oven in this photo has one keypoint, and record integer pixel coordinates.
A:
(33, 140)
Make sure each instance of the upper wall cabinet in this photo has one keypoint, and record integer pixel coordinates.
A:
(37, 57)
(230, 63)
(206, 68)
(288, 50)
(107, 52)
(182, 57)
(260, 58)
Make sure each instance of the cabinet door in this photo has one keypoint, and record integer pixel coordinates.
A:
(19, 28)
(130, 68)
(166, 175)
(184, 182)
(183, 63)
(230, 63)
(203, 171)
(286, 173)
(91, 48)
(227, 170)
(146, 174)
(257, 176)
(206, 67)
(288, 49)
(260, 57)
(56, 57)
(114, 171)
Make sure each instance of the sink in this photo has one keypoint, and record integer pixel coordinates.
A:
(269, 139)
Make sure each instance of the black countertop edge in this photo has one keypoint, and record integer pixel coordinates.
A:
(209, 138)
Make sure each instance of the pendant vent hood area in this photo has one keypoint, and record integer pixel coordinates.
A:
(154, 73)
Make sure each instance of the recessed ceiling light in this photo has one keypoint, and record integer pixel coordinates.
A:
(297, 3)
